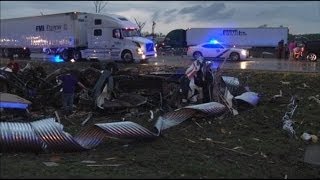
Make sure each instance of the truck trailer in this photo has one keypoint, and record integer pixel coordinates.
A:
(233, 37)
(75, 35)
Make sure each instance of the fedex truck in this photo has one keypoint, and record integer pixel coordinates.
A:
(75, 35)
(239, 37)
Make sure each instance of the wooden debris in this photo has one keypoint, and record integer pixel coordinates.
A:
(87, 119)
(235, 151)
(88, 162)
(50, 164)
(57, 115)
(190, 140)
(210, 140)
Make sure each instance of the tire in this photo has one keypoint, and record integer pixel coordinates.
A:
(6, 52)
(234, 56)
(312, 57)
(27, 53)
(77, 55)
(197, 54)
(127, 56)
(65, 55)
(2, 53)
(47, 51)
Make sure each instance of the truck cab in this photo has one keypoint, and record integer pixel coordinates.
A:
(113, 37)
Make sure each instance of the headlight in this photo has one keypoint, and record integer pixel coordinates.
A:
(139, 50)
(244, 52)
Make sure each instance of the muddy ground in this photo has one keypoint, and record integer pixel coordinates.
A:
(249, 145)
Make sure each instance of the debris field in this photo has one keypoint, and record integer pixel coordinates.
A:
(257, 133)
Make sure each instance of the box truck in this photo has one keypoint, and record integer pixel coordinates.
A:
(239, 37)
(75, 35)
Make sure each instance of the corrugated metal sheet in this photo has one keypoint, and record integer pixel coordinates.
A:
(232, 83)
(16, 136)
(176, 117)
(47, 134)
(249, 97)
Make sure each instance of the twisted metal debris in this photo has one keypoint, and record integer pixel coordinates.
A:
(48, 135)
(286, 119)
(249, 97)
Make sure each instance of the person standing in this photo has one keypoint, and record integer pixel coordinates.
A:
(280, 48)
(286, 51)
(291, 47)
(13, 65)
(69, 82)
(195, 75)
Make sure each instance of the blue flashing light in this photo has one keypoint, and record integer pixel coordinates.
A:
(213, 41)
(57, 59)
(13, 105)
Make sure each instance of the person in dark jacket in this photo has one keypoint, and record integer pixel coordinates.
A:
(280, 49)
(69, 82)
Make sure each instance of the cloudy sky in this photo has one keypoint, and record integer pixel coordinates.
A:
(299, 16)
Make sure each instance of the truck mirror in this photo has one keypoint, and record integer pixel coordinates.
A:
(116, 34)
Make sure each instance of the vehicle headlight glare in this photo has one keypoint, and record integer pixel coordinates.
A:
(139, 50)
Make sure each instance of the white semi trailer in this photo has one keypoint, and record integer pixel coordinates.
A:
(75, 35)
(240, 37)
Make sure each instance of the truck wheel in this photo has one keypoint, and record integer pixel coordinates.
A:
(312, 56)
(6, 52)
(197, 54)
(77, 55)
(127, 56)
(65, 55)
(2, 52)
(47, 51)
(235, 56)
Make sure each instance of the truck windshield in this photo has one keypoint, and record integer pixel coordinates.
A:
(130, 32)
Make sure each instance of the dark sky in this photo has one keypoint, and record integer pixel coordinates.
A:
(299, 16)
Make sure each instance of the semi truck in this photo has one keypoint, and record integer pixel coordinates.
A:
(233, 37)
(75, 36)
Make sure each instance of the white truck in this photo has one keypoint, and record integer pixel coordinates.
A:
(75, 35)
(239, 37)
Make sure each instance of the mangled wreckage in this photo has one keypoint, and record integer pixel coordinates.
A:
(209, 93)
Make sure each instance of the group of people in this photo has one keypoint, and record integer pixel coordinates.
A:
(291, 51)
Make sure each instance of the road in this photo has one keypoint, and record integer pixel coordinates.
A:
(252, 63)
(269, 64)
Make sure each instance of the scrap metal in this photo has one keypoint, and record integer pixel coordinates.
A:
(249, 97)
(287, 118)
(48, 135)
(13, 101)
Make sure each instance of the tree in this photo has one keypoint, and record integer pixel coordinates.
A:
(100, 5)
(140, 24)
